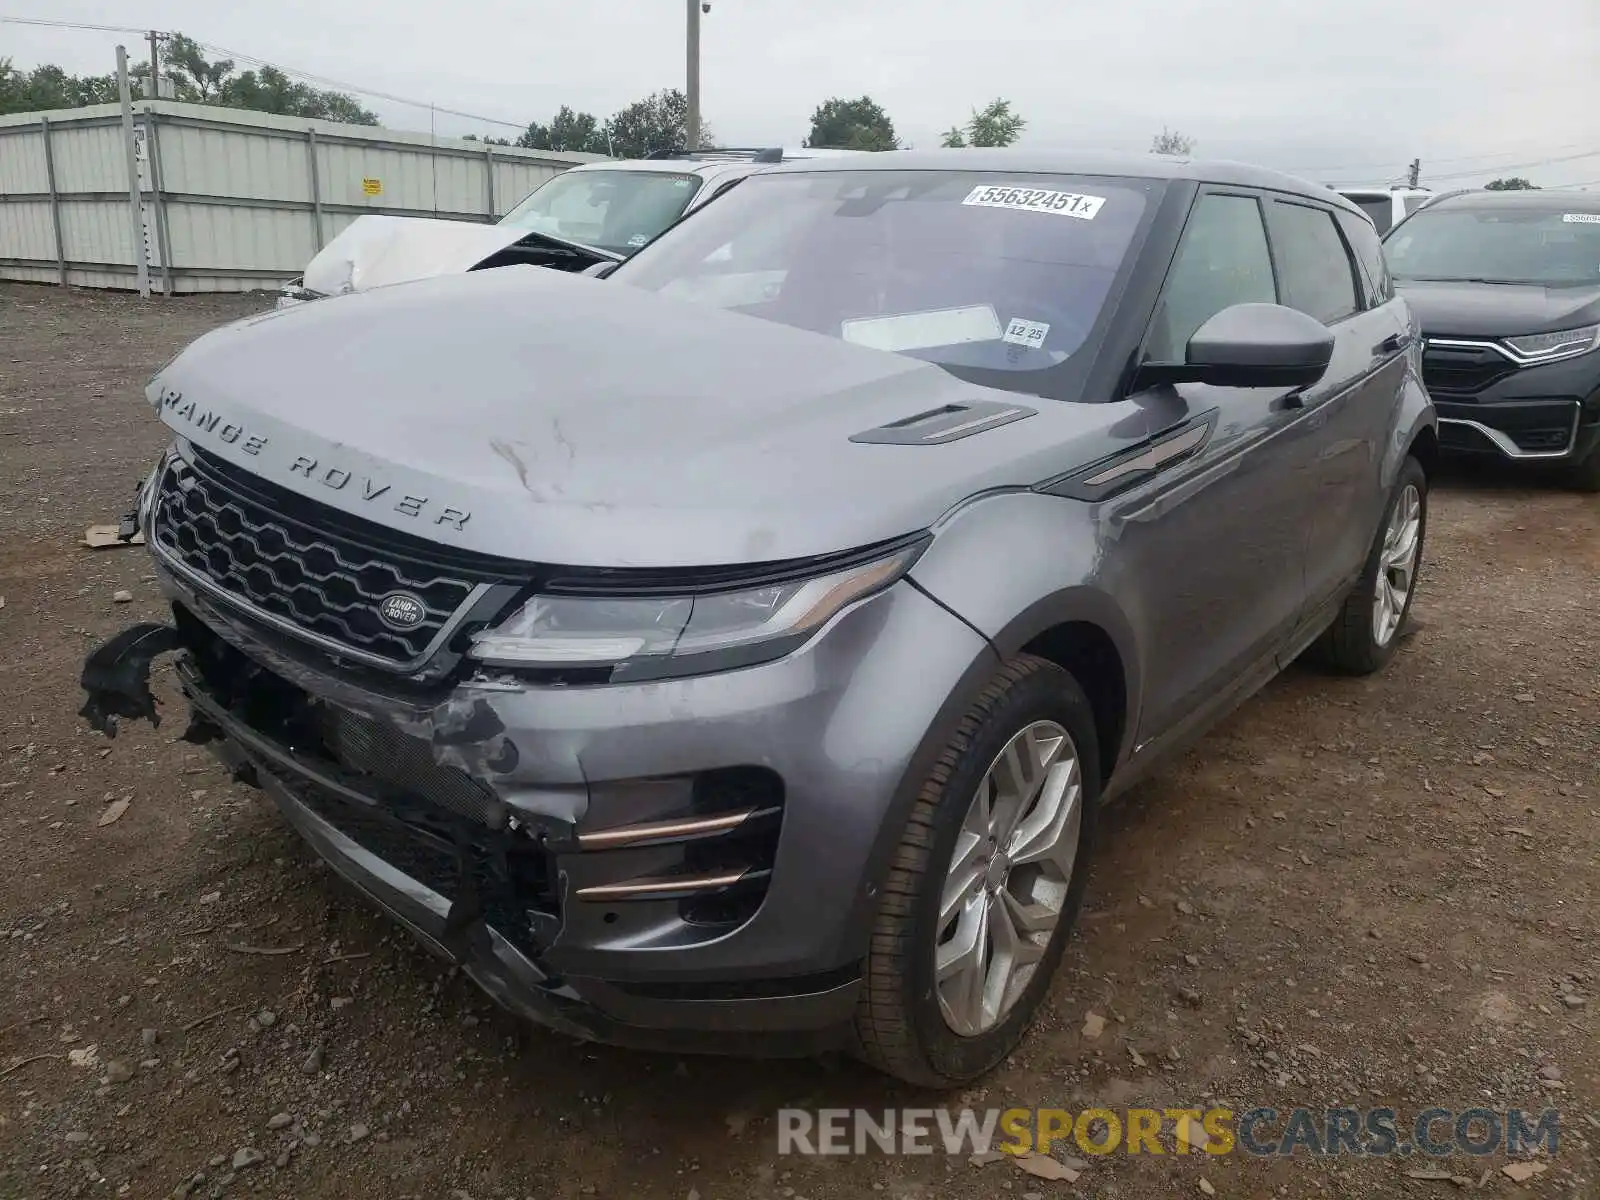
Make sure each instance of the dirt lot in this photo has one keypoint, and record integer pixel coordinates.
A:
(1372, 893)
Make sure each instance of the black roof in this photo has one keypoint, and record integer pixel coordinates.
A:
(1069, 162)
(1535, 199)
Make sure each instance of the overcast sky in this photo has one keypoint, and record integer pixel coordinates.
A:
(1338, 90)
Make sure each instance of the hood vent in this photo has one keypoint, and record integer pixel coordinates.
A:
(948, 423)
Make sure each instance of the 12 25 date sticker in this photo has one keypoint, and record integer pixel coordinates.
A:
(1062, 204)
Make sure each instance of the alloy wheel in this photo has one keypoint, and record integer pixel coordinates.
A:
(1009, 878)
(1397, 565)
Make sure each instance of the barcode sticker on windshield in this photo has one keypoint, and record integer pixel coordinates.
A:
(1581, 218)
(1063, 204)
(1026, 333)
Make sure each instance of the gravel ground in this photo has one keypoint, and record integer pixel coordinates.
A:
(1369, 893)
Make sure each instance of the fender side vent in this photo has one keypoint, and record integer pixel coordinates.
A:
(946, 424)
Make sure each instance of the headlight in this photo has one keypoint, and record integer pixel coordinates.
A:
(649, 637)
(1547, 347)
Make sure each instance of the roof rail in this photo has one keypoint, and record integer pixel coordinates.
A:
(755, 153)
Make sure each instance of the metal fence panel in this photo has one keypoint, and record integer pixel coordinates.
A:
(89, 158)
(26, 230)
(22, 164)
(95, 232)
(216, 161)
(230, 200)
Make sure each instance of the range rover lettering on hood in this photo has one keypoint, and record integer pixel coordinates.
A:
(208, 422)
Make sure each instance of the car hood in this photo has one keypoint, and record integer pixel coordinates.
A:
(373, 251)
(554, 418)
(1496, 310)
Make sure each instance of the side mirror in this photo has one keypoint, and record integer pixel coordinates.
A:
(1250, 346)
(1260, 345)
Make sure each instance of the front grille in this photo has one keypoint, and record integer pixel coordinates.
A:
(1464, 371)
(381, 752)
(322, 573)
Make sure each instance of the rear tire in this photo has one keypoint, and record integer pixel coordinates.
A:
(906, 1021)
(1364, 637)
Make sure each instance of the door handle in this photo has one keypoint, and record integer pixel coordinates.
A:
(1391, 344)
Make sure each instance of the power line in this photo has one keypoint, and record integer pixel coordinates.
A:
(71, 25)
(1402, 164)
(340, 85)
(1488, 169)
(251, 60)
(1543, 162)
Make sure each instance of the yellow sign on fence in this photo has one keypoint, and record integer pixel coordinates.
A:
(372, 187)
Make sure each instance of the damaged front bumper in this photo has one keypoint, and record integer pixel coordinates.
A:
(684, 865)
(295, 293)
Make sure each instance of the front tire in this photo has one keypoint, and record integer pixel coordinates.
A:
(1366, 633)
(985, 884)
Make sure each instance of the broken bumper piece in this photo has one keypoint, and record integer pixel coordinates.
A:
(116, 677)
(479, 883)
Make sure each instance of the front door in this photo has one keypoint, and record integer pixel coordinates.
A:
(1353, 407)
(1213, 547)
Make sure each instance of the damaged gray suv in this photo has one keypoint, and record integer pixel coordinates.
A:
(735, 654)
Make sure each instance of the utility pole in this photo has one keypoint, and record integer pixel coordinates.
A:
(1416, 172)
(135, 202)
(155, 77)
(692, 124)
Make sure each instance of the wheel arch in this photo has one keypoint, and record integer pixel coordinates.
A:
(1089, 654)
(1424, 448)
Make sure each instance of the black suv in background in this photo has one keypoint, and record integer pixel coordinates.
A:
(1506, 287)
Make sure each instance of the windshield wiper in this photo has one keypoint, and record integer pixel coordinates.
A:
(1461, 279)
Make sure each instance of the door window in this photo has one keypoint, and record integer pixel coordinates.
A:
(1315, 267)
(1223, 260)
(1369, 255)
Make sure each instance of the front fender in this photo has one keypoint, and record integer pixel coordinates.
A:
(1015, 564)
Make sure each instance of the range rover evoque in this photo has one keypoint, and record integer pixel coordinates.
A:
(735, 654)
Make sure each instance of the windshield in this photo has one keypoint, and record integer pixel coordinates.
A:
(999, 278)
(614, 210)
(1497, 245)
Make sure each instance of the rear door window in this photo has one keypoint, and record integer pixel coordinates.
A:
(1379, 287)
(1313, 263)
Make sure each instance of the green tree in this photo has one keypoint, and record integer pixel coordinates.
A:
(194, 76)
(1172, 142)
(534, 137)
(270, 90)
(994, 125)
(49, 87)
(852, 125)
(1515, 183)
(658, 122)
(577, 132)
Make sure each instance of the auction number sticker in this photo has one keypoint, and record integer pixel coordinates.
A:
(1064, 204)
(1581, 218)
